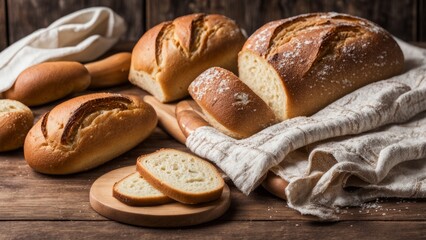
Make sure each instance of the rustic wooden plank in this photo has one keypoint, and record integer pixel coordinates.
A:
(28, 16)
(218, 229)
(3, 22)
(421, 21)
(397, 16)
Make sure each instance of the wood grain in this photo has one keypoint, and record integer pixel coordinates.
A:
(397, 16)
(421, 21)
(219, 229)
(27, 16)
(3, 25)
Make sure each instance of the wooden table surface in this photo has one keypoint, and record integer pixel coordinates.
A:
(37, 206)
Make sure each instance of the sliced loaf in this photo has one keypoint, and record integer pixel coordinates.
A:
(181, 176)
(134, 190)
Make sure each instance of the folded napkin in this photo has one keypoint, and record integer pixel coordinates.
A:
(80, 36)
(326, 170)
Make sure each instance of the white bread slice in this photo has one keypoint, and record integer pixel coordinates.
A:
(181, 176)
(134, 190)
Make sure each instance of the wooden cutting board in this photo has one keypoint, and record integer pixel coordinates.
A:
(167, 120)
(167, 215)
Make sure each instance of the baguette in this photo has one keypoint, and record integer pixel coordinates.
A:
(47, 82)
(87, 131)
(111, 71)
(229, 105)
(171, 55)
(134, 190)
(16, 120)
(181, 176)
(301, 64)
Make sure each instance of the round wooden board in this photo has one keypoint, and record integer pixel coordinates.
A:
(167, 215)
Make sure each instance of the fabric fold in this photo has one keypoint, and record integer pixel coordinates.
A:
(326, 177)
(80, 36)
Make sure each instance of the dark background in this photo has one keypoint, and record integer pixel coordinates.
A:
(405, 19)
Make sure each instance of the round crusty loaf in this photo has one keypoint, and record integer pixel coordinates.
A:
(16, 120)
(87, 131)
(171, 55)
(229, 105)
(301, 64)
(181, 176)
(110, 71)
(47, 82)
(134, 190)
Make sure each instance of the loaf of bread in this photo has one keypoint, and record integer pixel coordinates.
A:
(111, 71)
(134, 190)
(171, 55)
(16, 120)
(301, 64)
(181, 176)
(47, 82)
(229, 105)
(87, 131)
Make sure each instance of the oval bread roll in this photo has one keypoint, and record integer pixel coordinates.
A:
(87, 131)
(171, 55)
(110, 71)
(300, 65)
(16, 120)
(229, 105)
(47, 82)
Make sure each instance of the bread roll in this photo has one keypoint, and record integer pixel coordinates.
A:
(47, 82)
(171, 55)
(110, 71)
(301, 64)
(16, 120)
(181, 176)
(87, 131)
(229, 105)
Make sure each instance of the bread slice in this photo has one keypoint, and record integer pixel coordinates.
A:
(181, 176)
(134, 190)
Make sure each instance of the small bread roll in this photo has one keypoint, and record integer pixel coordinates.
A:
(229, 105)
(111, 71)
(16, 120)
(87, 131)
(47, 82)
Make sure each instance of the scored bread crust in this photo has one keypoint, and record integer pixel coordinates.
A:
(317, 58)
(177, 194)
(230, 105)
(86, 131)
(169, 56)
(16, 120)
(138, 201)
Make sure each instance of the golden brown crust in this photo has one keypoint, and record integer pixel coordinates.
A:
(75, 137)
(111, 71)
(323, 56)
(172, 54)
(16, 120)
(176, 194)
(235, 108)
(47, 82)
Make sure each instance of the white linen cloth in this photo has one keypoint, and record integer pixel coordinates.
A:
(80, 36)
(388, 161)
